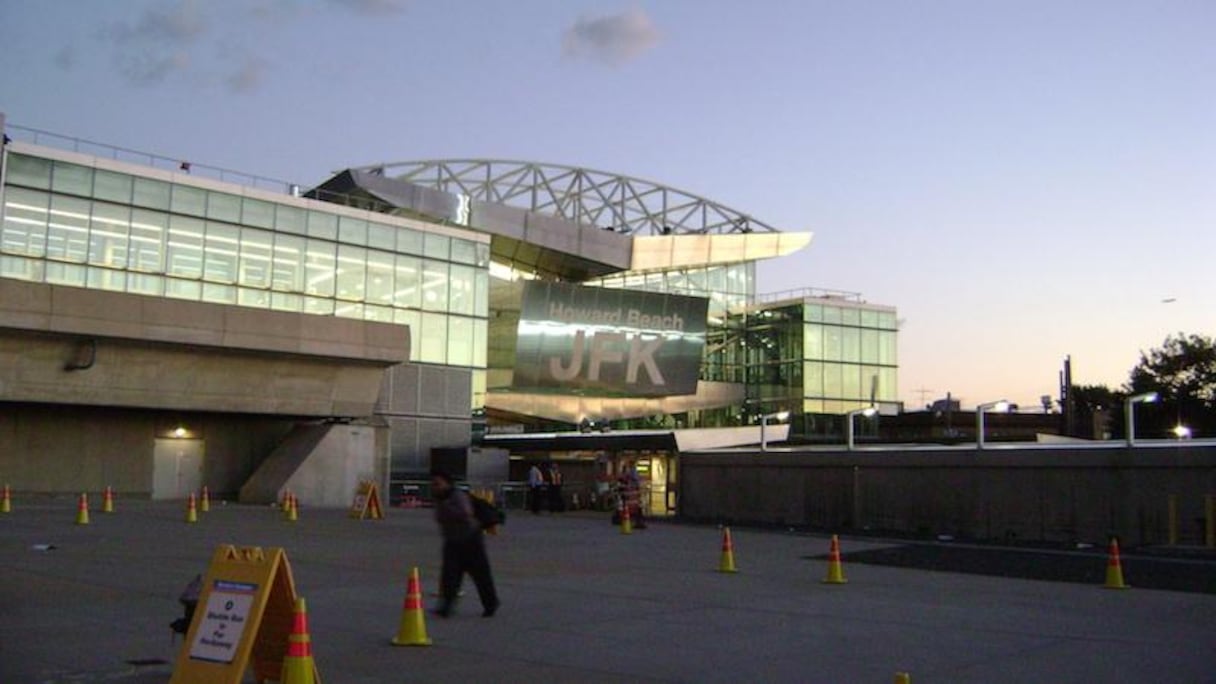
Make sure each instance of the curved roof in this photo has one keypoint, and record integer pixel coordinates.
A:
(598, 198)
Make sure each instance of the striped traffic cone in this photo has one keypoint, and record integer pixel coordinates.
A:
(191, 509)
(835, 569)
(82, 509)
(727, 564)
(204, 501)
(412, 630)
(6, 500)
(1114, 569)
(107, 501)
(626, 523)
(298, 665)
(293, 508)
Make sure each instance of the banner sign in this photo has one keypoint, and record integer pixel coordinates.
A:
(607, 342)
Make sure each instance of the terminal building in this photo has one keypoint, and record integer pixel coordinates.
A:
(166, 325)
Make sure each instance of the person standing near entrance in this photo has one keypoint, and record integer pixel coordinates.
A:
(556, 503)
(536, 486)
(464, 548)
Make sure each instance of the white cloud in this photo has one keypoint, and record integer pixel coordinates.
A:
(376, 7)
(155, 45)
(611, 39)
(248, 76)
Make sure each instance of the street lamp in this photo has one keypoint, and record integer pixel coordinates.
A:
(1001, 406)
(1129, 413)
(780, 415)
(848, 417)
(1182, 432)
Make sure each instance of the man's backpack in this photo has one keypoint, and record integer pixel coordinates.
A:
(488, 515)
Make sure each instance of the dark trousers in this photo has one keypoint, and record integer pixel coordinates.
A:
(535, 495)
(467, 555)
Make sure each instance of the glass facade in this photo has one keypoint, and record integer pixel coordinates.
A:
(727, 287)
(75, 225)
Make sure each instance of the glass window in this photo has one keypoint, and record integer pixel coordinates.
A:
(255, 298)
(222, 207)
(460, 347)
(32, 172)
(183, 289)
(481, 296)
(480, 343)
(886, 319)
(483, 254)
(59, 273)
(290, 219)
(287, 271)
(184, 257)
(886, 347)
(142, 283)
(372, 312)
(220, 294)
(832, 350)
(832, 380)
(72, 179)
(220, 265)
(413, 319)
(850, 316)
(462, 299)
(257, 249)
(352, 231)
(812, 341)
(109, 237)
(434, 286)
(850, 344)
(380, 279)
(284, 301)
(67, 235)
(831, 314)
(871, 382)
(869, 346)
(322, 225)
(152, 194)
(25, 218)
(409, 241)
(322, 264)
(408, 292)
(112, 187)
(188, 200)
(255, 212)
(147, 241)
(437, 246)
(812, 379)
(850, 382)
(348, 309)
(434, 338)
(869, 318)
(107, 279)
(318, 305)
(21, 268)
(381, 236)
(813, 313)
(812, 406)
(888, 389)
(464, 251)
(352, 273)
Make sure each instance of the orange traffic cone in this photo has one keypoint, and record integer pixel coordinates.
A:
(903, 678)
(727, 564)
(191, 510)
(107, 501)
(298, 665)
(82, 510)
(626, 523)
(204, 501)
(293, 508)
(6, 501)
(412, 631)
(1114, 569)
(835, 569)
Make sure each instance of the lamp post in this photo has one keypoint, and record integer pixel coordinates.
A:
(1129, 413)
(867, 412)
(780, 415)
(1001, 406)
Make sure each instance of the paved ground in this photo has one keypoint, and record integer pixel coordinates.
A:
(583, 603)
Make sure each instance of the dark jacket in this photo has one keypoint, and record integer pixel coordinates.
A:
(454, 513)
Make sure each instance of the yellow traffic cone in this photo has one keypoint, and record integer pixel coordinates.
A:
(82, 509)
(204, 501)
(6, 501)
(293, 508)
(626, 523)
(903, 678)
(191, 510)
(298, 665)
(835, 569)
(107, 501)
(727, 564)
(1114, 569)
(412, 631)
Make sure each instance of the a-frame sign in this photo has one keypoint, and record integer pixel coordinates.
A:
(243, 619)
(367, 502)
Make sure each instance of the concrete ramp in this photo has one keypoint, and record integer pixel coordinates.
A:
(322, 464)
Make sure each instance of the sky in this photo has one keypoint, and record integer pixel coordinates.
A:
(1024, 180)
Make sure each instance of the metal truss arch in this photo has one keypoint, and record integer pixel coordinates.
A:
(609, 201)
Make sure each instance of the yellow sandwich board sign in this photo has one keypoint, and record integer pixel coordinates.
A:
(367, 502)
(243, 618)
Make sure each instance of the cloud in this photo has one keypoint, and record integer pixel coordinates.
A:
(155, 45)
(180, 23)
(65, 58)
(248, 76)
(374, 7)
(612, 39)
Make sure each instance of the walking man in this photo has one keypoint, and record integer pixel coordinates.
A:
(464, 548)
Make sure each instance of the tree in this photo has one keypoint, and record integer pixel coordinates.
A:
(1183, 372)
(1096, 410)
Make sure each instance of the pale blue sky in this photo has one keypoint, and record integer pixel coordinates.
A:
(1023, 180)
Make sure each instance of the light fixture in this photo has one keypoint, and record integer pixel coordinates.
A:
(868, 412)
(1182, 432)
(179, 432)
(1129, 413)
(1001, 406)
(779, 416)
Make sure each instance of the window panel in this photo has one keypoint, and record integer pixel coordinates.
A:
(812, 379)
(221, 258)
(481, 297)
(483, 254)
(142, 283)
(832, 341)
(67, 235)
(152, 194)
(886, 320)
(372, 312)
(322, 225)
(434, 286)
(255, 298)
(352, 231)
(480, 343)
(287, 270)
(413, 319)
(184, 258)
(256, 212)
(33, 172)
(869, 318)
(464, 251)
(322, 268)
(869, 346)
(348, 309)
(223, 207)
(188, 200)
(183, 289)
(831, 314)
(58, 273)
(21, 268)
(434, 338)
(812, 341)
(461, 299)
(72, 179)
(813, 313)
(832, 380)
(318, 305)
(850, 382)
(381, 236)
(437, 246)
(109, 236)
(26, 213)
(107, 279)
(850, 344)
(147, 241)
(379, 278)
(886, 348)
(290, 219)
(408, 283)
(220, 294)
(283, 301)
(112, 187)
(460, 336)
(409, 241)
(352, 273)
(888, 388)
(850, 316)
(257, 250)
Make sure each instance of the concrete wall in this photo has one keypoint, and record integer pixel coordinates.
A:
(425, 407)
(340, 461)
(1039, 494)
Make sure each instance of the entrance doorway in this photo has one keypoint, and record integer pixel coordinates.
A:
(177, 468)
